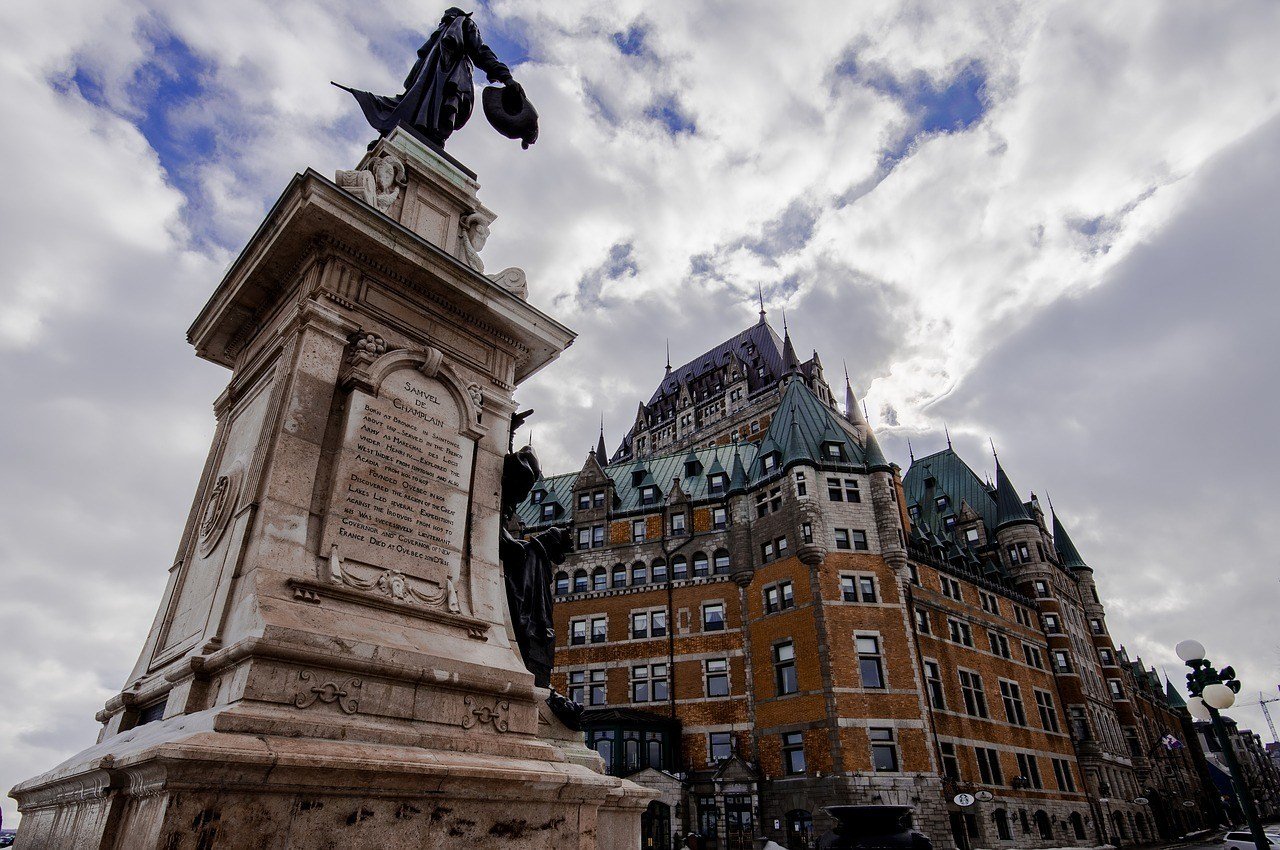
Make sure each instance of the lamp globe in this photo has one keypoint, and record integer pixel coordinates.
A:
(1198, 709)
(1189, 650)
(1218, 696)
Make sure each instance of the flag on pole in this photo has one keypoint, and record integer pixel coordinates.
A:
(1171, 743)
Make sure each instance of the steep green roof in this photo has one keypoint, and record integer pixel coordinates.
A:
(803, 426)
(1067, 552)
(1009, 507)
(945, 474)
(1172, 696)
(658, 471)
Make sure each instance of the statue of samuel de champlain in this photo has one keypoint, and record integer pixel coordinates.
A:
(439, 94)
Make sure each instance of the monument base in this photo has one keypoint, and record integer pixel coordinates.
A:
(182, 783)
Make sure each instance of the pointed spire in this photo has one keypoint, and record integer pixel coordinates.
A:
(1009, 507)
(1067, 552)
(602, 454)
(1172, 696)
(910, 452)
(790, 363)
(760, 293)
(738, 477)
(852, 413)
(874, 456)
(668, 355)
(947, 431)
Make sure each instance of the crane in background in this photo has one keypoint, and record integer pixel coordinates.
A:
(1266, 712)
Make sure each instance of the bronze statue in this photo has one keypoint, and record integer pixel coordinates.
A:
(439, 95)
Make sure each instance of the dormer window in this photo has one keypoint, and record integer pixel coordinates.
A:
(833, 451)
(717, 482)
(692, 468)
(648, 495)
(584, 501)
(769, 462)
(940, 503)
(914, 513)
(597, 499)
(548, 513)
(637, 476)
(537, 496)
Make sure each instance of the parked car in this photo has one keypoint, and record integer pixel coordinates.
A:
(1244, 840)
(7, 838)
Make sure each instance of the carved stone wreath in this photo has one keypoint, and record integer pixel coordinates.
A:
(218, 506)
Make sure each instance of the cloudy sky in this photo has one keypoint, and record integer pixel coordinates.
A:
(1053, 224)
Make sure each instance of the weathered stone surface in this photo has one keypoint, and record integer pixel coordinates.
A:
(331, 662)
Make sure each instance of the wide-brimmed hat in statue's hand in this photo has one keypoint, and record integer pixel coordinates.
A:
(510, 112)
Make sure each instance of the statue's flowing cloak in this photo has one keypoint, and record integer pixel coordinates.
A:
(440, 82)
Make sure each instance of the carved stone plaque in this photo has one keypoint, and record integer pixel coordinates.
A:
(400, 495)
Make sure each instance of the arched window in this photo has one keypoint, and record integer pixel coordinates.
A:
(1077, 824)
(639, 573)
(599, 579)
(659, 571)
(1043, 824)
(721, 561)
(1117, 821)
(562, 583)
(1001, 818)
(579, 581)
(679, 567)
(619, 575)
(699, 564)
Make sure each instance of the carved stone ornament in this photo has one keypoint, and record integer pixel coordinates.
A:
(365, 347)
(477, 395)
(329, 692)
(378, 183)
(475, 233)
(395, 584)
(219, 504)
(512, 280)
(498, 715)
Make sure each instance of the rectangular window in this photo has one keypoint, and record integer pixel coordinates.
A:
(781, 545)
(771, 597)
(884, 752)
(762, 504)
(870, 665)
(975, 700)
(678, 523)
(1106, 657)
(649, 683)
(806, 532)
(766, 551)
(989, 602)
(1117, 692)
(584, 538)
(971, 536)
(784, 668)
(578, 632)
(716, 483)
(1062, 773)
(1029, 769)
(648, 495)
(640, 625)
(1024, 553)
(1048, 712)
(999, 644)
(960, 632)
(548, 512)
(717, 676)
(1052, 625)
(596, 693)
(659, 571)
(1032, 654)
(793, 753)
(950, 588)
(658, 623)
(933, 681)
(769, 462)
(719, 518)
(578, 686)
(851, 492)
(1061, 661)
(834, 491)
(775, 499)
(842, 539)
(833, 451)
(912, 568)
(1095, 626)
(1041, 587)
(637, 531)
(597, 536)
(989, 766)
(721, 747)
(1022, 616)
(922, 622)
(597, 499)
(802, 486)
(950, 762)
(713, 617)
(1079, 726)
(640, 683)
(859, 539)
(867, 588)
(599, 629)
(1011, 696)
(584, 501)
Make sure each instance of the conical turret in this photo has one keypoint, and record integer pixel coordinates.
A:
(1067, 552)
(1009, 507)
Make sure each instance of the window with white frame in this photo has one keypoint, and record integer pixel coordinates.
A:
(638, 530)
(870, 662)
(716, 673)
(713, 617)
(779, 597)
(884, 749)
(922, 622)
(599, 629)
(719, 746)
(649, 683)
(784, 668)
(950, 588)
(802, 484)
(577, 632)
(719, 519)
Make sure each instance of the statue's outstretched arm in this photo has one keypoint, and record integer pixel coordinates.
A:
(484, 57)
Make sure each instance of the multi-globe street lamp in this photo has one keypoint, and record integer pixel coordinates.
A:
(1213, 691)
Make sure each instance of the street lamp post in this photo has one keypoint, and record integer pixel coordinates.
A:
(1212, 690)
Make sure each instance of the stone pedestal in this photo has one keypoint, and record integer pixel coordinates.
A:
(331, 662)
